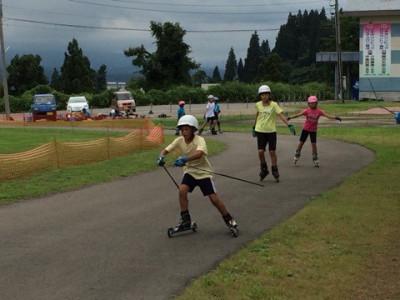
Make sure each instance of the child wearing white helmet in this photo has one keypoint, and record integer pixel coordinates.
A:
(265, 130)
(312, 114)
(209, 115)
(196, 169)
(180, 113)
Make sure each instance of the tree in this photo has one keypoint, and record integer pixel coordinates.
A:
(265, 49)
(199, 77)
(216, 76)
(76, 73)
(253, 59)
(240, 70)
(230, 66)
(55, 81)
(272, 69)
(25, 72)
(170, 63)
(101, 79)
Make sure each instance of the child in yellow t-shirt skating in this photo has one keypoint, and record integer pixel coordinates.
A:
(265, 130)
(196, 172)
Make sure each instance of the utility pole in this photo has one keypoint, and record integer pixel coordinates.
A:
(338, 52)
(3, 65)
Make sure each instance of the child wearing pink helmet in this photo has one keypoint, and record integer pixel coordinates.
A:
(312, 114)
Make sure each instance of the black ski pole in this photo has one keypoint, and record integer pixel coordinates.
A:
(170, 176)
(228, 176)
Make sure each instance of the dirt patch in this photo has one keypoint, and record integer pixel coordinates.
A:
(378, 111)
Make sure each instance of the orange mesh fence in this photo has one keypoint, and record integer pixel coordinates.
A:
(63, 154)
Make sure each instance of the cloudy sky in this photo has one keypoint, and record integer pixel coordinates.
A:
(106, 46)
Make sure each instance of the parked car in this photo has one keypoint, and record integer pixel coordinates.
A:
(123, 103)
(44, 107)
(77, 104)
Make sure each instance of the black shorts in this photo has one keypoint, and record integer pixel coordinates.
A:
(206, 185)
(209, 119)
(266, 138)
(216, 116)
(304, 135)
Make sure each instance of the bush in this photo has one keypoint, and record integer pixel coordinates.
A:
(101, 100)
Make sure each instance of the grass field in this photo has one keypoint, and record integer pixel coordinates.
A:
(344, 245)
(40, 184)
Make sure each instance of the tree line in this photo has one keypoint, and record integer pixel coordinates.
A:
(292, 60)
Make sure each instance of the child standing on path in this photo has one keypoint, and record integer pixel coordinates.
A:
(209, 116)
(180, 113)
(194, 153)
(312, 114)
(265, 130)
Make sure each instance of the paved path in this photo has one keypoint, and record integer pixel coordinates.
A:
(109, 241)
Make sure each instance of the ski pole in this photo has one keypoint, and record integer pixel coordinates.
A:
(387, 109)
(228, 176)
(170, 176)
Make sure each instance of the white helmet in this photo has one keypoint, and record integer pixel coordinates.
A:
(264, 89)
(210, 97)
(188, 120)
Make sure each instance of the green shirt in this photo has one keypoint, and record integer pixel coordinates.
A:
(266, 120)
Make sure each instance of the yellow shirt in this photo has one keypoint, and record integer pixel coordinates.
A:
(198, 143)
(266, 120)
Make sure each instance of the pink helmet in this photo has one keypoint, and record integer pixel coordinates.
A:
(181, 102)
(312, 99)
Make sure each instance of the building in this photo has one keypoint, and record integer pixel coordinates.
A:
(379, 47)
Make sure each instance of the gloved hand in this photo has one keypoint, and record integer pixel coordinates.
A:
(253, 133)
(161, 161)
(339, 119)
(292, 129)
(181, 161)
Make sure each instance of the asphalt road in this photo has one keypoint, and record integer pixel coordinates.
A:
(109, 241)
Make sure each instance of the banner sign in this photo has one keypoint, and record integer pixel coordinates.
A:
(377, 50)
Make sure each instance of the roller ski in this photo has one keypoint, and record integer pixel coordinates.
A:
(315, 160)
(296, 157)
(263, 172)
(185, 225)
(232, 225)
(275, 173)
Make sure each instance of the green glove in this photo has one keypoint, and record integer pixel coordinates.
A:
(292, 129)
(254, 132)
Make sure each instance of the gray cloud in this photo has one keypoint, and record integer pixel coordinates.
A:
(107, 47)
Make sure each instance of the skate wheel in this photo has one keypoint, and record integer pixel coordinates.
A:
(234, 232)
(170, 232)
(194, 227)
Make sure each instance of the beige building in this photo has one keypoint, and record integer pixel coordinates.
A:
(379, 47)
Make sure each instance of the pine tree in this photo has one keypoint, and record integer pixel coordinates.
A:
(265, 49)
(253, 59)
(240, 70)
(55, 82)
(101, 79)
(76, 73)
(216, 76)
(230, 66)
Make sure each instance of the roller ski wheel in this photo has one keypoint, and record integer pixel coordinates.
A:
(180, 228)
(316, 163)
(233, 228)
(296, 157)
(263, 173)
(275, 173)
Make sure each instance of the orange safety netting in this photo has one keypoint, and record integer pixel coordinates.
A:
(63, 154)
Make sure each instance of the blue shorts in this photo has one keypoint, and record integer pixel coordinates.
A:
(206, 185)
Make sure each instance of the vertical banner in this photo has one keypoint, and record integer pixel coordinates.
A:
(376, 49)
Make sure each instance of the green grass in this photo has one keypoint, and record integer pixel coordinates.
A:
(40, 184)
(20, 139)
(343, 245)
